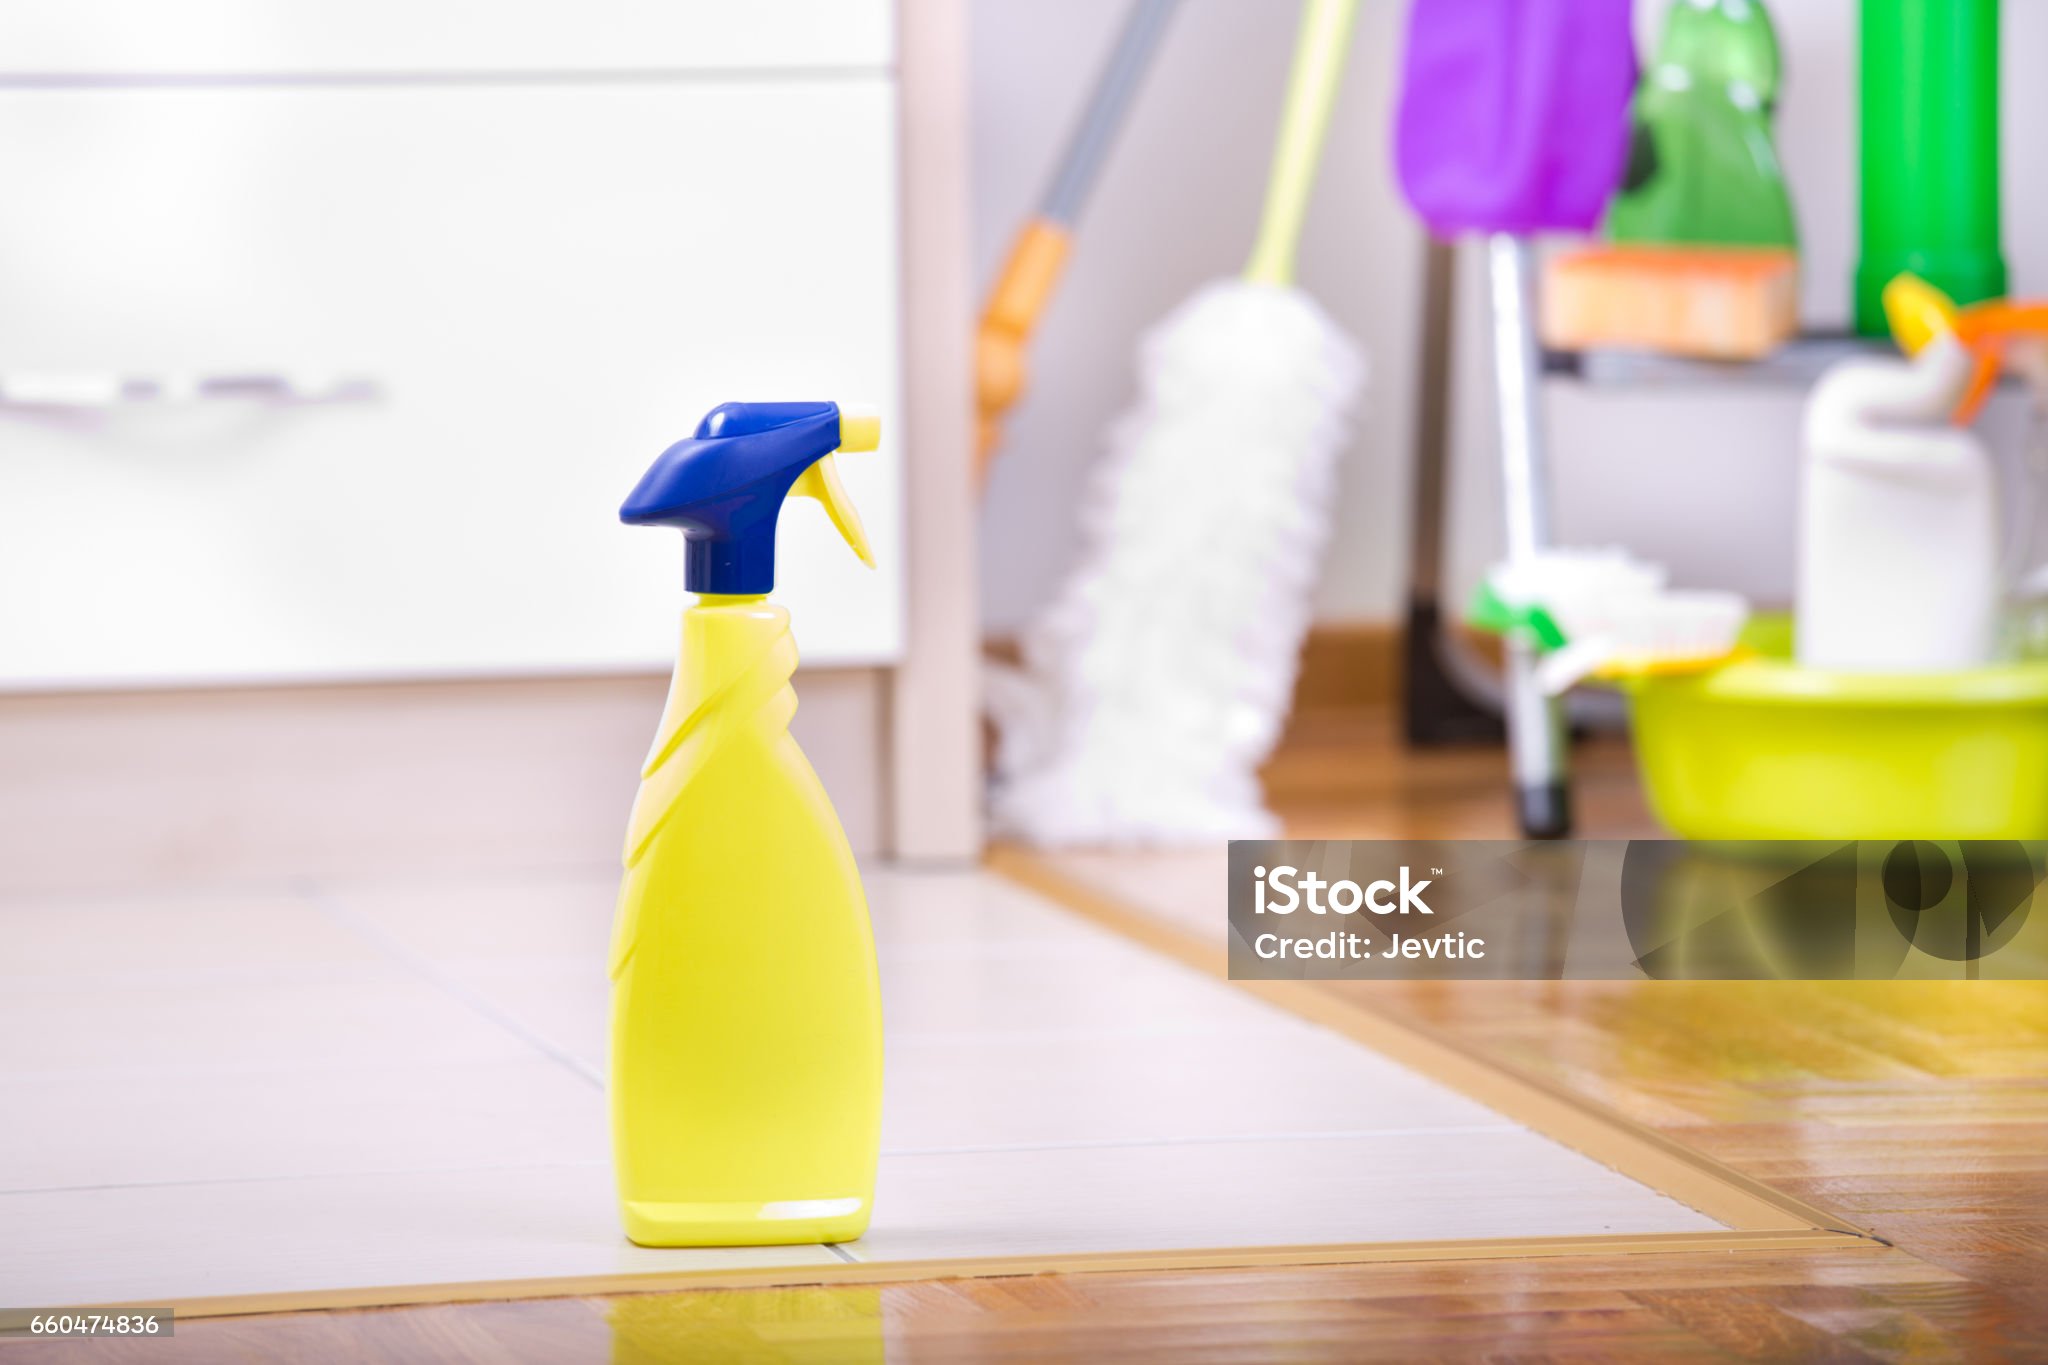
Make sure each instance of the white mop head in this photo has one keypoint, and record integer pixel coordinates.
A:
(1157, 682)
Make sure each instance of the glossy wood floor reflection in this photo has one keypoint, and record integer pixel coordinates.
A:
(1920, 1111)
(1869, 1306)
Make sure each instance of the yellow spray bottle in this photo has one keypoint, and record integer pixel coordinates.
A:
(746, 1030)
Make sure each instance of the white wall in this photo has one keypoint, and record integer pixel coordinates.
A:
(1705, 483)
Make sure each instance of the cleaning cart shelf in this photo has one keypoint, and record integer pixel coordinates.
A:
(1797, 364)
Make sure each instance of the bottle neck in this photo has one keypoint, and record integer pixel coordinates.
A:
(731, 599)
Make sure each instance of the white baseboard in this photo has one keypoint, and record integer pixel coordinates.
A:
(104, 791)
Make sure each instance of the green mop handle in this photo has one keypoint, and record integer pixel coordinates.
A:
(1319, 55)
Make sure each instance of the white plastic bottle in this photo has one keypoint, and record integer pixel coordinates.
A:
(1898, 548)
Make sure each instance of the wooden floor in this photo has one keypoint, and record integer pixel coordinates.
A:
(1919, 1111)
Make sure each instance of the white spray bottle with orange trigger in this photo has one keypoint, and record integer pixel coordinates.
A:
(1899, 537)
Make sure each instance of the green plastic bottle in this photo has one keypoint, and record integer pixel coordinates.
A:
(1929, 151)
(1703, 167)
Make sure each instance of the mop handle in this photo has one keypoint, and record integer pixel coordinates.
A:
(1092, 136)
(1039, 254)
(1319, 55)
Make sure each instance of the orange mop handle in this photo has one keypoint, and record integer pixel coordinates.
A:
(1040, 251)
(1014, 305)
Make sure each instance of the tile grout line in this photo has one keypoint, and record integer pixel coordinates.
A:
(332, 906)
(281, 884)
(989, 1149)
(1207, 1140)
(297, 1177)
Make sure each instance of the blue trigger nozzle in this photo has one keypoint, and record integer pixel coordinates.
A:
(723, 488)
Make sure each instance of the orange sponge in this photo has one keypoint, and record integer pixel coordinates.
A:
(1721, 303)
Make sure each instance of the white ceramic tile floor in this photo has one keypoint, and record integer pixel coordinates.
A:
(1181, 887)
(290, 1121)
(1035, 1090)
(194, 937)
(165, 1243)
(344, 1087)
(1283, 1191)
(379, 1013)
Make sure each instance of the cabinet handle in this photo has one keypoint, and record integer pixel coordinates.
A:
(87, 392)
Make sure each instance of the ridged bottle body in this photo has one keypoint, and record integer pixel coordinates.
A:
(746, 1029)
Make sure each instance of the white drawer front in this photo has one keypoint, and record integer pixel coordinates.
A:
(546, 285)
(184, 37)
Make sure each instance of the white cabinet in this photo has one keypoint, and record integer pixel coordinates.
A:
(543, 282)
(157, 38)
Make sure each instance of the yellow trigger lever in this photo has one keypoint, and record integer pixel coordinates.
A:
(857, 432)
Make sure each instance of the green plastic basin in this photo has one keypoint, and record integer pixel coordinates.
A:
(1764, 749)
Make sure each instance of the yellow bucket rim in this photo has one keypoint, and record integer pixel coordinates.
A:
(1779, 682)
